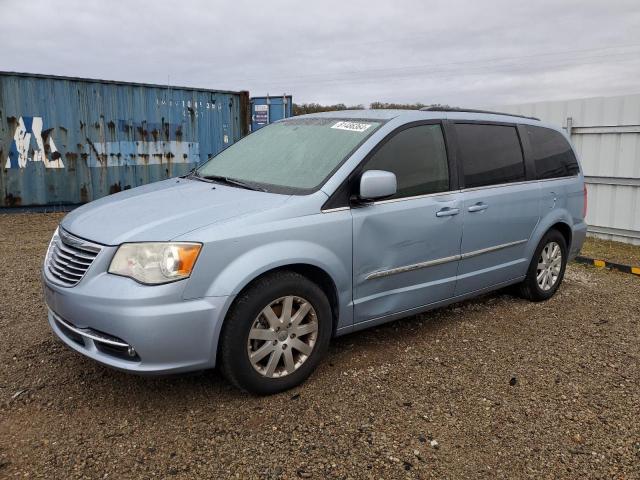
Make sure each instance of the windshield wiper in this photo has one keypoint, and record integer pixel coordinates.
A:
(196, 175)
(232, 181)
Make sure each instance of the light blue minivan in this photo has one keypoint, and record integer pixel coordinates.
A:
(310, 228)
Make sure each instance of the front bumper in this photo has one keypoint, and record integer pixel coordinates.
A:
(134, 327)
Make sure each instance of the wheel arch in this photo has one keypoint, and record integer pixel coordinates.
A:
(312, 272)
(559, 219)
(565, 230)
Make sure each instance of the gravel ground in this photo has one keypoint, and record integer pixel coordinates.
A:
(492, 388)
(612, 251)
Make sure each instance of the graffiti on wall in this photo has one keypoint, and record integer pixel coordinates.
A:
(31, 144)
(155, 144)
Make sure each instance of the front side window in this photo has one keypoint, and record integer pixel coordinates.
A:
(418, 157)
(552, 153)
(490, 154)
(291, 156)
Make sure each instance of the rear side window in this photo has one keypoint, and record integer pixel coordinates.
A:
(552, 153)
(490, 154)
(418, 157)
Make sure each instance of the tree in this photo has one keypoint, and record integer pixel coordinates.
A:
(304, 108)
(406, 106)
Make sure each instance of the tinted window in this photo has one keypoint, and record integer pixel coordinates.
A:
(490, 154)
(418, 157)
(552, 153)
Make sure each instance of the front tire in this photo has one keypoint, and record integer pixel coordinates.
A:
(276, 333)
(547, 267)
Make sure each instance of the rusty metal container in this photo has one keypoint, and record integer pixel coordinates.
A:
(66, 141)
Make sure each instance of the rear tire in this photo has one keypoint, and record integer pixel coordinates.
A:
(275, 334)
(547, 267)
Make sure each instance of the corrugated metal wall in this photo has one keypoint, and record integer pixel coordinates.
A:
(606, 134)
(68, 140)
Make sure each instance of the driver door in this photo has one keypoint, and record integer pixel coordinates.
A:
(406, 248)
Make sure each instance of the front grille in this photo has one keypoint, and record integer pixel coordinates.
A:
(69, 257)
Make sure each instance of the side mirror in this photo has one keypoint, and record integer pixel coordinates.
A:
(376, 184)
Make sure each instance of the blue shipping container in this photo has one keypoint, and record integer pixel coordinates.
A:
(265, 110)
(71, 140)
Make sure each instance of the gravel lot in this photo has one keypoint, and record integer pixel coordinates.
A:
(495, 387)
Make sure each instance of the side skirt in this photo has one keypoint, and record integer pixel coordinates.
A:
(424, 308)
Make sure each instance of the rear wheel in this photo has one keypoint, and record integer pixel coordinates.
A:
(547, 267)
(276, 333)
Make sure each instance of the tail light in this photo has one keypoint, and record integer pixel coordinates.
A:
(584, 206)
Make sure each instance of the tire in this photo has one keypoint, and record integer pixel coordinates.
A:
(280, 360)
(539, 290)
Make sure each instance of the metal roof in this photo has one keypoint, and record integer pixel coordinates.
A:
(117, 82)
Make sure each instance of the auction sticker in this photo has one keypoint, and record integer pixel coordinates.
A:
(352, 126)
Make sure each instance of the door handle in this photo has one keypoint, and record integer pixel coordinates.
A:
(478, 207)
(447, 212)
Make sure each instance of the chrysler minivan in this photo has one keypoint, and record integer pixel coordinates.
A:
(310, 228)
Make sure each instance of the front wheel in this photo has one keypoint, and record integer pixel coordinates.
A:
(546, 269)
(276, 333)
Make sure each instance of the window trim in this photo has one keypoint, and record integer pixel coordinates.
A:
(340, 199)
(529, 173)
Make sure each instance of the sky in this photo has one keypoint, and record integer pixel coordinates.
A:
(463, 53)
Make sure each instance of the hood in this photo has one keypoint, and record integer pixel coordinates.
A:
(164, 210)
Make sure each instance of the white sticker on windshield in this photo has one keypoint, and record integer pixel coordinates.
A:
(352, 126)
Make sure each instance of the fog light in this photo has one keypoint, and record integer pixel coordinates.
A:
(131, 352)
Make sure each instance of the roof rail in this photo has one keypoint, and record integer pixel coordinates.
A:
(469, 110)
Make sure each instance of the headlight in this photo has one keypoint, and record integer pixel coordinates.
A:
(154, 263)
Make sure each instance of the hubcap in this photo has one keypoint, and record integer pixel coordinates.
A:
(282, 336)
(549, 265)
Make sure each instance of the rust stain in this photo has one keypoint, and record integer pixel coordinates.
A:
(115, 188)
(12, 200)
(84, 194)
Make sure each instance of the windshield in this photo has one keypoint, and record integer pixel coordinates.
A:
(291, 156)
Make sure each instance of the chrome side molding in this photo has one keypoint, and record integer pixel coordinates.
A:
(475, 253)
(409, 268)
(440, 261)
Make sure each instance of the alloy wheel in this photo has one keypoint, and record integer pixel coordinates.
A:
(282, 336)
(549, 266)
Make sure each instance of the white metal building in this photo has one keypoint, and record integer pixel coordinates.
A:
(606, 134)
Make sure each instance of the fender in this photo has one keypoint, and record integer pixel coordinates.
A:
(264, 258)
